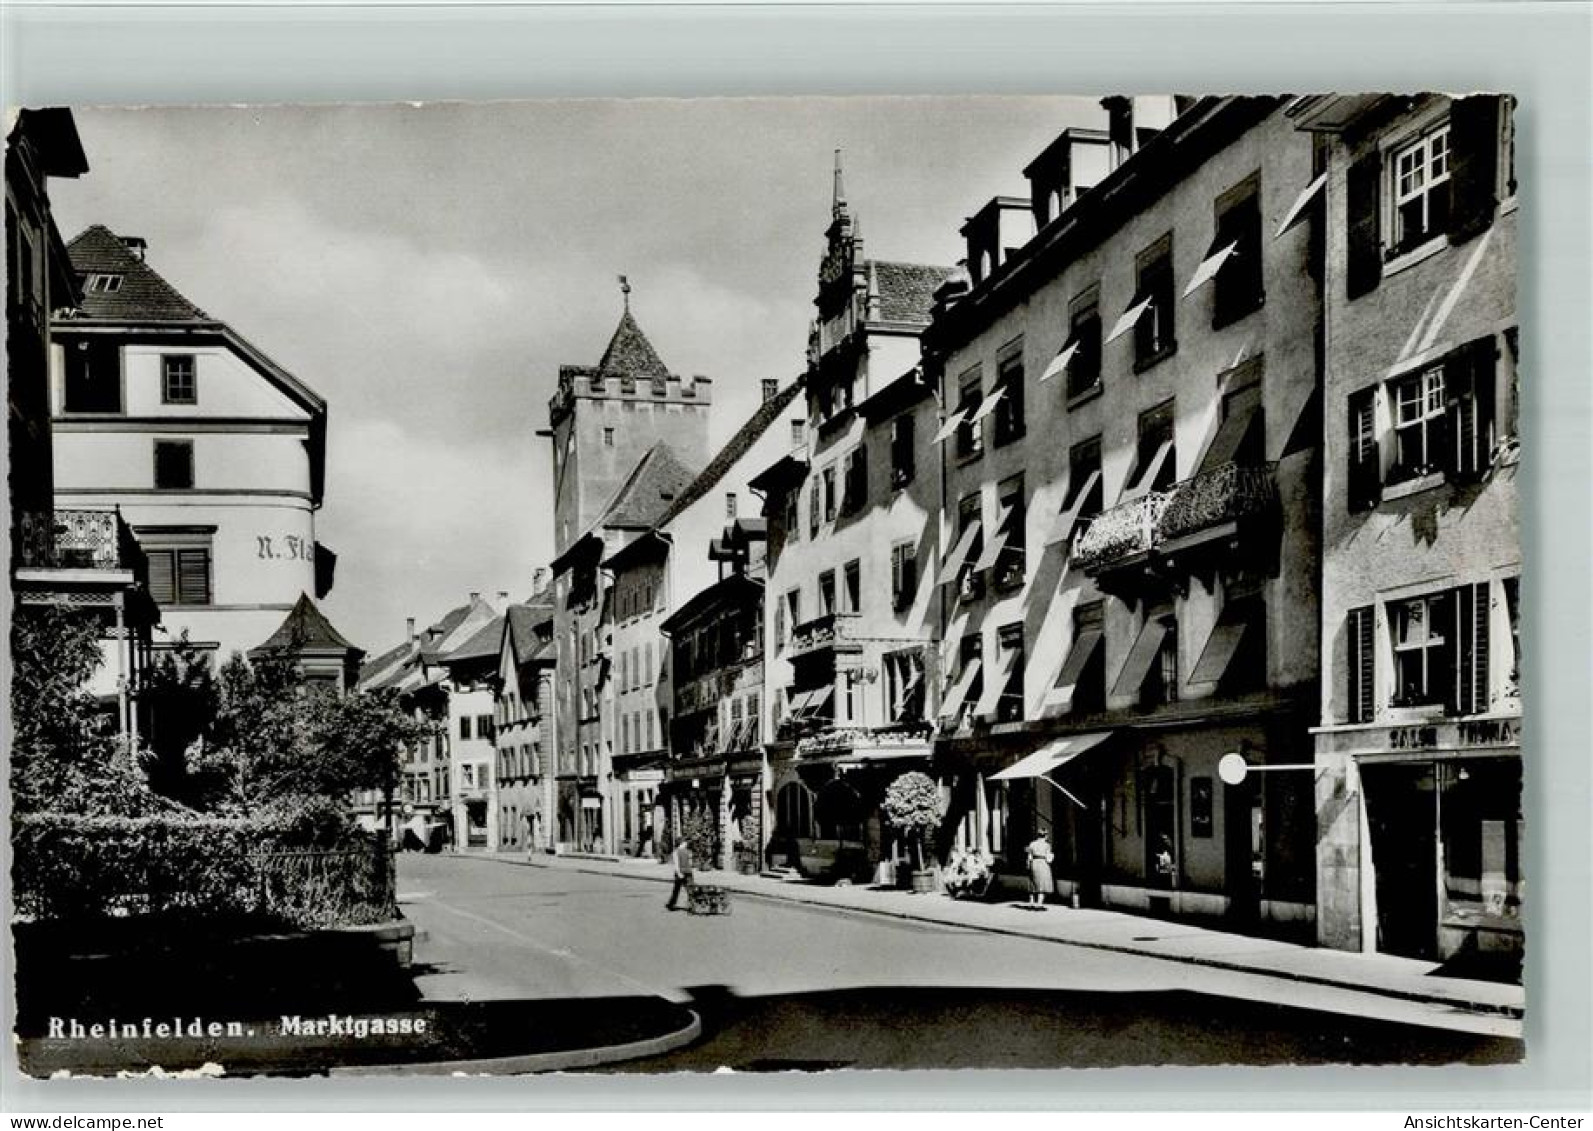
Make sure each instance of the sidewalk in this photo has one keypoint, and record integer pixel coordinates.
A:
(1382, 974)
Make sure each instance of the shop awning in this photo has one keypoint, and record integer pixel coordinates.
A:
(1062, 529)
(1130, 316)
(1052, 755)
(951, 706)
(1227, 636)
(1060, 362)
(949, 428)
(959, 554)
(1243, 416)
(998, 541)
(1301, 204)
(1213, 263)
(1140, 658)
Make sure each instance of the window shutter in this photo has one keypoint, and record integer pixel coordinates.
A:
(1473, 165)
(1362, 665)
(1470, 650)
(1364, 252)
(163, 576)
(1468, 389)
(1365, 462)
(193, 577)
(1479, 647)
(909, 574)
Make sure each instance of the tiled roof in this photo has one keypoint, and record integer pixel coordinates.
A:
(654, 484)
(305, 627)
(435, 636)
(523, 622)
(142, 296)
(630, 354)
(370, 669)
(747, 435)
(907, 290)
(484, 642)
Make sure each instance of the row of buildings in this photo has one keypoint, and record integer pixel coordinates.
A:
(1178, 523)
(164, 472)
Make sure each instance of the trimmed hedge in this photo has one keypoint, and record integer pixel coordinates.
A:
(68, 866)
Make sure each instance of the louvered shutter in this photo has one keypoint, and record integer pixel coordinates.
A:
(1473, 165)
(163, 576)
(1365, 462)
(193, 577)
(1364, 250)
(1469, 397)
(909, 575)
(1471, 649)
(1362, 665)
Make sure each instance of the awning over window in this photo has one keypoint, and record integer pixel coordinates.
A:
(1301, 204)
(958, 555)
(989, 404)
(949, 428)
(998, 541)
(1140, 657)
(802, 702)
(1060, 362)
(1231, 435)
(1130, 316)
(1052, 755)
(1085, 646)
(952, 705)
(1207, 271)
(997, 686)
(1223, 645)
(1149, 473)
(1062, 529)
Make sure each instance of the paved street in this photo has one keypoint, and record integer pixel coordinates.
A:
(781, 985)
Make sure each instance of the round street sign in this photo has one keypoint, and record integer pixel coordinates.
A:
(1232, 768)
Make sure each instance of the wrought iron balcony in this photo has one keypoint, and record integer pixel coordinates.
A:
(1227, 493)
(77, 539)
(1124, 531)
(830, 632)
(896, 740)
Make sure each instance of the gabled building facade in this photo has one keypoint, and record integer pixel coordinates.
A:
(849, 614)
(525, 718)
(213, 453)
(1419, 767)
(1128, 568)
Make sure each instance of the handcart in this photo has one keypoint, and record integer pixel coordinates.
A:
(706, 900)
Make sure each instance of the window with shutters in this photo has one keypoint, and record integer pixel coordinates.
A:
(970, 432)
(904, 575)
(1009, 409)
(1419, 418)
(174, 465)
(1154, 337)
(1422, 649)
(902, 454)
(1471, 687)
(1419, 179)
(179, 575)
(1511, 587)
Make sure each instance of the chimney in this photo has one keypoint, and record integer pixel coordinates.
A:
(771, 388)
(409, 629)
(503, 595)
(475, 595)
(537, 576)
(136, 244)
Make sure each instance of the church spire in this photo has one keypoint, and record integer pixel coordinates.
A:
(838, 203)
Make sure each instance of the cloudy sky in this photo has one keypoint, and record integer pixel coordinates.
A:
(427, 269)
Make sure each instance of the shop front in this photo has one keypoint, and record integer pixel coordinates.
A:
(1435, 807)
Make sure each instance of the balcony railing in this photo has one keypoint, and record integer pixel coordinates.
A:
(1227, 493)
(77, 539)
(836, 631)
(1223, 494)
(1121, 532)
(851, 740)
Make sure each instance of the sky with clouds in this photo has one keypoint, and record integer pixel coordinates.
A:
(427, 269)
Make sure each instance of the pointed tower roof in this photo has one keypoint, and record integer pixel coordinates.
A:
(306, 629)
(140, 294)
(630, 354)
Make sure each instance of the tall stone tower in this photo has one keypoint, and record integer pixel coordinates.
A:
(604, 418)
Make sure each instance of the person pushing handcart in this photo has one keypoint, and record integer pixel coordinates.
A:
(701, 899)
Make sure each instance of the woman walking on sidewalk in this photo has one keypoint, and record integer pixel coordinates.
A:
(1039, 853)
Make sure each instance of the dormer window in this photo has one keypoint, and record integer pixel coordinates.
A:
(102, 284)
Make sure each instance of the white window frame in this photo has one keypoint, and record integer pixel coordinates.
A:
(1416, 413)
(1405, 643)
(1417, 181)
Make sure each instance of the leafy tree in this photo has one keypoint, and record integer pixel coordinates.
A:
(913, 804)
(181, 698)
(359, 740)
(65, 753)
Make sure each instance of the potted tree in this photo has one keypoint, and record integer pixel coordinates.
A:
(913, 805)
